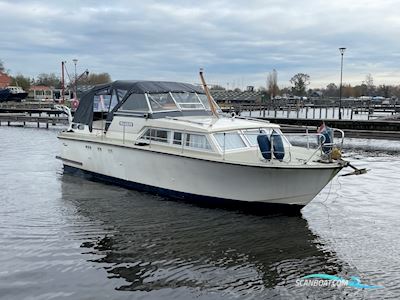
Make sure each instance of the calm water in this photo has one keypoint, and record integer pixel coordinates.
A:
(62, 237)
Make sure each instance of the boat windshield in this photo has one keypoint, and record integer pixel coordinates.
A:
(178, 101)
(162, 102)
(189, 101)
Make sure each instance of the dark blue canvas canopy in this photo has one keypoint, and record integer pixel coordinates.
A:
(123, 88)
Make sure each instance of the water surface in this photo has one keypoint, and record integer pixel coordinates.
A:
(63, 237)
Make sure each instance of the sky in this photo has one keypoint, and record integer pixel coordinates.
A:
(236, 42)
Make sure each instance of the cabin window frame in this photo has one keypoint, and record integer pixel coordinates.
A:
(221, 148)
(183, 141)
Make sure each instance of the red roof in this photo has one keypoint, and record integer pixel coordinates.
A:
(39, 88)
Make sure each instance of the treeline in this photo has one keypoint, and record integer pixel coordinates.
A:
(54, 81)
(301, 81)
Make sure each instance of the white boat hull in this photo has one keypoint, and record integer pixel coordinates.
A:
(186, 177)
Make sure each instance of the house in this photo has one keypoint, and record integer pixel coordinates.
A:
(5, 80)
(40, 93)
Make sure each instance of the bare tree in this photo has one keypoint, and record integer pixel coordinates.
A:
(300, 82)
(331, 90)
(2, 68)
(369, 81)
(22, 81)
(50, 80)
(272, 83)
(95, 78)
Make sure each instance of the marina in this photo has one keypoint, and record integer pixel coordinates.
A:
(126, 175)
(88, 238)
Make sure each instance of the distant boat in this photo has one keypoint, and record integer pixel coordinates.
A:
(12, 93)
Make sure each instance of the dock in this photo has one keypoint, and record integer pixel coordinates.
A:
(42, 114)
(21, 119)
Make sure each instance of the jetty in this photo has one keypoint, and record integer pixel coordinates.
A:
(40, 114)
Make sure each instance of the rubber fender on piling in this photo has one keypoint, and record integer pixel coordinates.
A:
(265, 146)
(277, 143)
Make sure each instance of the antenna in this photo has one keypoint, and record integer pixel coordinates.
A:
(211, 101)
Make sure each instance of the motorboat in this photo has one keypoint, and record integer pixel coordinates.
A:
(12, 93)
(171, 139)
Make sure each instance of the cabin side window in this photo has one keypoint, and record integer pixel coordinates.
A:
(251, 135)
(229, 141)
(177, 138)
(157, 135)
(197, 141)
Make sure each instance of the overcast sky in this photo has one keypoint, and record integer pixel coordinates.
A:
(236, 42)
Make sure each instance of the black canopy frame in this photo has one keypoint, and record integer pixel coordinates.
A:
(85, 114)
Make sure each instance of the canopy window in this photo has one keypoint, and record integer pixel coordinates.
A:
(101, 101)
(135, 103)
(162, 102)
(188, 101)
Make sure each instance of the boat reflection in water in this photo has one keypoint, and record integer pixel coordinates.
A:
(179, 250)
